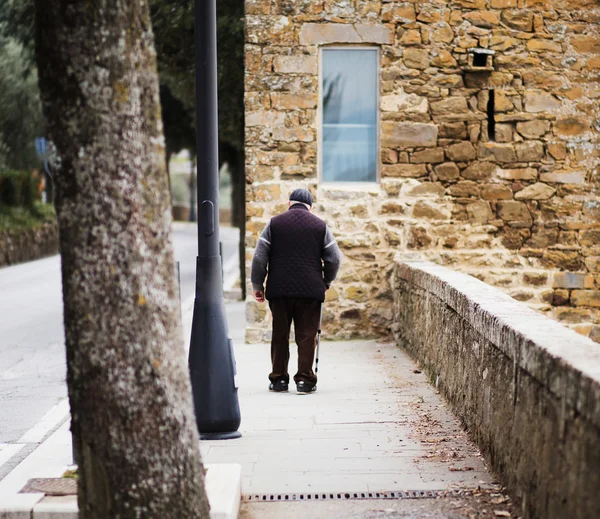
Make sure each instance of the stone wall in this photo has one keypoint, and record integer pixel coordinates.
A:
(518, 205)
(20, 245)
(526, 388)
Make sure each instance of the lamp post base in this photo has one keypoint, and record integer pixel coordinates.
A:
(221, 436)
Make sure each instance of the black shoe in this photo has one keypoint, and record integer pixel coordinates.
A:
(304, 388)
(279, 387)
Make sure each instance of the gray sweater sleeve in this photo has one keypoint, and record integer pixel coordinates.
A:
(332, 258)
(260, 260)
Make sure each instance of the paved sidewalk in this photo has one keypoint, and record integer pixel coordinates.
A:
(375, 424)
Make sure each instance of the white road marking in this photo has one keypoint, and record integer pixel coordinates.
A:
(50, 420)
(8, 450)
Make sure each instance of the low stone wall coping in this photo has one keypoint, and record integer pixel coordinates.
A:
(565, 362)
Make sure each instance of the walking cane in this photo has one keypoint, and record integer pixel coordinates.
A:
(318, 339)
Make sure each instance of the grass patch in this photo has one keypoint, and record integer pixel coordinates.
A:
(71, 474)
(24, 218)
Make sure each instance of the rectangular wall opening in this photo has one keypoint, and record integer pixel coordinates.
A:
(491, 121)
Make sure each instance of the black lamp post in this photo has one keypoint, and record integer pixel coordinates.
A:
(211, 359)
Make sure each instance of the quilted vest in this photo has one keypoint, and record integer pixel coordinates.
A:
(295, 266)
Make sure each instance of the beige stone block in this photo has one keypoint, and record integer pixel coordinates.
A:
(391, 208)
(485, 19)
(357, 293)
(447, 171)
(496, 192)
(589, 298)
(504, 4)
(561, 259)
(539, 45)
(540, 102)
(429, 16)
(434, 189)
(537, 191)
(252, 58)
(403, 170)
(295, 64)
(359, 211)
(416, 58)
(293, 134)
(323, 33)
(298, 172)
(586, 43)
(287, 101)
(557, 150)
(403, 13)
(517, 174)
(442, 58)
(450, 105)
(571, 126)
(533, 129)
(529, 151)
(564, 177)
(254, 210)
(429, 211)
(511, 211)
(592, 263)
(418, 238)
(262, 173)
(463, 151)
(503, 42)
(429, 156)
(392, 238)
(504, 132)
(274, 30)
(479, 170)
(503, 103)
(520, 20)
(403, 102)
(258, 7)
(453, 130)
(589, 237)
(572, 280)
(411, 37)
(480, 212)
(443, 33)
(265, 118)
(470, 4)
(409, 135)
(266, 193)
(499, 151)
(464, 189)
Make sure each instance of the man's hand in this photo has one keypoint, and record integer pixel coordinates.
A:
(259, 295)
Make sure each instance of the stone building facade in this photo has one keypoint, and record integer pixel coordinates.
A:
(487, 138)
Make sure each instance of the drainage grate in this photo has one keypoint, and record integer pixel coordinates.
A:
(345, 496)
(51, 486)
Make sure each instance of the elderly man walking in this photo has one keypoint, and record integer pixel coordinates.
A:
(302, 259)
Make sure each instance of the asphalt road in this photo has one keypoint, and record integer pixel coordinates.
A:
(32, 352)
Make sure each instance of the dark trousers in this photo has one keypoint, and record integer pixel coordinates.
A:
(305, 314)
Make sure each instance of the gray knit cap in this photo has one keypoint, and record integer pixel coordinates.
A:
(302, 195)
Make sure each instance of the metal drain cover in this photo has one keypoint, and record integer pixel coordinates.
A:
(51, 486)
(345, 496)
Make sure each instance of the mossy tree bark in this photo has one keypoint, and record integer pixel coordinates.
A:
(133, 424)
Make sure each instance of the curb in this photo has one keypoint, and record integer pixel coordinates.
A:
(51, 459)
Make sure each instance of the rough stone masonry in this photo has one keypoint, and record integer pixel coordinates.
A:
(517, 205)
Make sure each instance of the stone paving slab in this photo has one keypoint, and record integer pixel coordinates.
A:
(375, 424)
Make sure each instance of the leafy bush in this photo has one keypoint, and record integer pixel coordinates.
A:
(18, 189)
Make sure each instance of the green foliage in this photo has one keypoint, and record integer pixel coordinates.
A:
(21, 218)
(173, 25)
(18, 189)
(21, 118)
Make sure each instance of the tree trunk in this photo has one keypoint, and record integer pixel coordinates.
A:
(133, 423)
